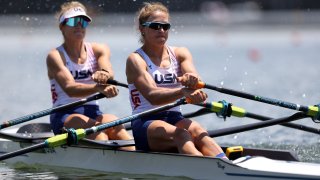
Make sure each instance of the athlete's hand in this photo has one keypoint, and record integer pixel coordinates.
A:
(100, 77)
(194, 95)
(108, 90)
(189, 80)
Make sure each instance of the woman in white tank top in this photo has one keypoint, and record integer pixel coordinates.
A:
(158, 74)
(70, 69)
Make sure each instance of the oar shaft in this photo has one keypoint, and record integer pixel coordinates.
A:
(117, 83)
(290, 125)
(217, 107)
(261, 99)
(23, 151)
(49, 111)
(237, 129)
(59, 108)
(200, 112)
(276, 102)
(134, 117)
(61, 139)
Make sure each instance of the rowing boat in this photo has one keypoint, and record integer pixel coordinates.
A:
(105, 156)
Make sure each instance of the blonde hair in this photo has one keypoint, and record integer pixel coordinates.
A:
(68, 5)
(146, 11)
(150, 7)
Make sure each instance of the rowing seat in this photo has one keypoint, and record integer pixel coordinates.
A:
(35, 128)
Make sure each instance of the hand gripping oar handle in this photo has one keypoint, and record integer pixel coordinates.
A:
(81, 133)
(312, 111)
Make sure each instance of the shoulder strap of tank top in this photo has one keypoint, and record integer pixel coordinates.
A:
(145, 57)
(63, 54)
(89, 49)
(171, 52)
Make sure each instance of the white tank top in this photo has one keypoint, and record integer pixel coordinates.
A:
(80, 72)
(164, 77)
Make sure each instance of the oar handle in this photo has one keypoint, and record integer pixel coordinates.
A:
(116, 83)
(200, 85)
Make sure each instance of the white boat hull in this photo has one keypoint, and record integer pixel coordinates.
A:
(104, 156)
(166, 164)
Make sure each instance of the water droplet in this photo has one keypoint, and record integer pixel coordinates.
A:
(221, 83)
(235, 137)
(246, 73)
(303, 95)
(225, 68)
(241, 84)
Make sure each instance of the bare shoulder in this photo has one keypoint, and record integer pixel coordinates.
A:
(135, 59)
(182, 53)
(53, 56)
(54, 63)
(135, 66)
(99, 47)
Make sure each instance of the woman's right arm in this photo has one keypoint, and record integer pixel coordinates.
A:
(58, 71)
(137, 74)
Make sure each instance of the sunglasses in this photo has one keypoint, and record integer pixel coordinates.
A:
(74, 21)
(157, 25)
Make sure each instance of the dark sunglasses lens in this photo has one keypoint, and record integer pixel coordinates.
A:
(166, 26)
(158, 26)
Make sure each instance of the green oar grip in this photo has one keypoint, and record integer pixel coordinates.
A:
(61, 139)
(313, 111)
(236, 111)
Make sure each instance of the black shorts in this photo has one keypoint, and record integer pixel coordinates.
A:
(57, 119)
(140, 126)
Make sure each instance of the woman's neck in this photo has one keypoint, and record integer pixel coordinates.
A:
(75, 51)
(158, 55)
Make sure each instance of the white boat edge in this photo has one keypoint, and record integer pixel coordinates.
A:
(101, 156)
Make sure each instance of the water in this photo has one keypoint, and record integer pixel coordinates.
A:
(275, 60)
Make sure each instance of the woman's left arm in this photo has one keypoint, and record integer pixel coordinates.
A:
(190, 77)
(102, 54)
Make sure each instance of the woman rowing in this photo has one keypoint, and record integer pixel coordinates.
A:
(77, 69)
(155, 73)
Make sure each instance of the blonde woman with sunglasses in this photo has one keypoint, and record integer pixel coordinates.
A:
(158, 74)
(77, 69)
